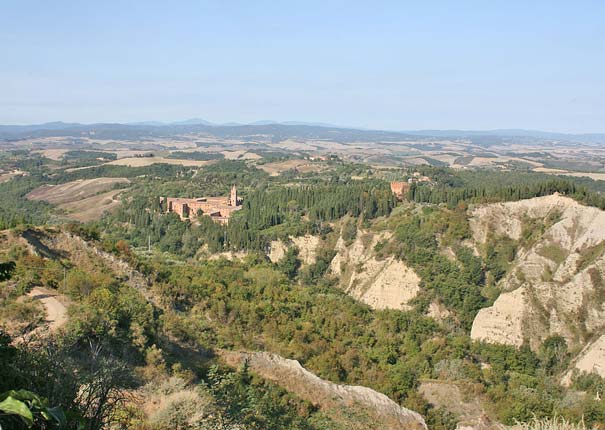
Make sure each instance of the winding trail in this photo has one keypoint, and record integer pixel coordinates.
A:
(56, 310)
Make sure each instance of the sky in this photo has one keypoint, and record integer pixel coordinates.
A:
(397, 65)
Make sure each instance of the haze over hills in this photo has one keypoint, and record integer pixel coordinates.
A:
(284, 128)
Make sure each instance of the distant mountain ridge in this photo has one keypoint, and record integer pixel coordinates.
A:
(500, 132)
(285, 129)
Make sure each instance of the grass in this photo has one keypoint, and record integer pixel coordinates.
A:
(553, 252)
(555, 423)
(589, 256)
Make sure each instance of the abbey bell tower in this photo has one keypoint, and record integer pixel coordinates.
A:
(233, 199)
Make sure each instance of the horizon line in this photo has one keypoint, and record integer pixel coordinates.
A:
(203, 122)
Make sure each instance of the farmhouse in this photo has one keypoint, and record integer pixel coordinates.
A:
(217, 208)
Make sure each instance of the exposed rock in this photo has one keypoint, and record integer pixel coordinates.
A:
(506, 218)
(204, 253)
(591, 359)
(382, 284)
(472, 245)
(361, 402)
(449, 253)
(502, 322)
(437, 311)
(555, 285)
(277, 250)
(307, 247)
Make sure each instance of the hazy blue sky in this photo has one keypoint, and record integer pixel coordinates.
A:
(379, 64)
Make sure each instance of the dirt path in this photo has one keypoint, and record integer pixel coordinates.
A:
(54, 303)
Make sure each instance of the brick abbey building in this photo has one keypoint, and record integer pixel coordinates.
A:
(217, 208)
(400, 189)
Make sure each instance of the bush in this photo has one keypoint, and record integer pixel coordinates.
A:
(555, 423)
(185, 409)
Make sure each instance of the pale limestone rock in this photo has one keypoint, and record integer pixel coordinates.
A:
(438, 312)
(392, 287)
(228, 255)
(468, 410)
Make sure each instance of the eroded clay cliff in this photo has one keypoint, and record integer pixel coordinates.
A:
(555, 284)
(385, 283)
(372, 409)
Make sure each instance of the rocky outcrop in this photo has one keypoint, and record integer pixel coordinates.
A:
(307, 247)
(506, 219)
(502, 322)
(277, 251)
(438, 311)
(228, 255)
(362, 403)
(556, 283)
(381, 283)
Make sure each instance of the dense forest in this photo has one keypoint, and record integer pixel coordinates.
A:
(451, 187)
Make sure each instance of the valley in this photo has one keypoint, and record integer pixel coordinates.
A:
(472, 299)
(302, 215)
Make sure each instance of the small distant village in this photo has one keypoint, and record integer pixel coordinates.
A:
(219, 209)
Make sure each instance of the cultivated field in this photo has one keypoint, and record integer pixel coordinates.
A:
(53, 154)
(84, 199)
(148, 161)
(303, 166)
(594, 176)
(240, 155)
(7, 176)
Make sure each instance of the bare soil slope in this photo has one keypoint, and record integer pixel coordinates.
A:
(381, 283)
(461, 401)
